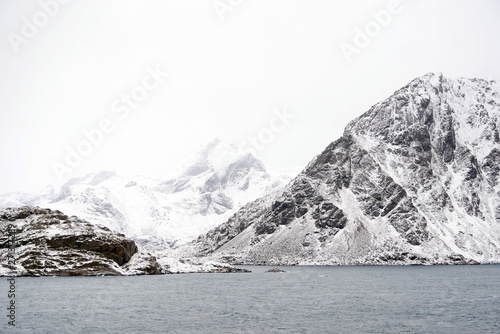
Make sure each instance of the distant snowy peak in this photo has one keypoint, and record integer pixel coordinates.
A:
(215, 156)
(220, 167)
(204, 176)
(217, 180)
(17, 199)
(90, 180)
(415, 179)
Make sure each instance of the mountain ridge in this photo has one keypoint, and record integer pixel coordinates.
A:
(160, 214)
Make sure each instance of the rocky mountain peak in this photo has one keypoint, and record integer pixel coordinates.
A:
(217, 156)
(413, 179)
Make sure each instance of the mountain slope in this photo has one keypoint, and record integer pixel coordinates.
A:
(413, 180)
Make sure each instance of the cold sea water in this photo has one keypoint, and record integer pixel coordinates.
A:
(419, 299)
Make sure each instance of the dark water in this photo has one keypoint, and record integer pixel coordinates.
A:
(436, 299)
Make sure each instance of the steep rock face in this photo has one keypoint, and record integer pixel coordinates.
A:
(48, 242)
(413, 180)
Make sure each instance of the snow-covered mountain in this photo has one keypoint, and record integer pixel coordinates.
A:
(415, 179)
(158, 214)
(18, 199)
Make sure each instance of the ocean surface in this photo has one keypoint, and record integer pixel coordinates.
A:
(418, 299)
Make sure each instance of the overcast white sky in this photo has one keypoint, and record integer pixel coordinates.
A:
(230, 68)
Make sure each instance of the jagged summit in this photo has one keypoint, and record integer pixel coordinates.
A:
(215, 156)
(216, 180)
(415, 179)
